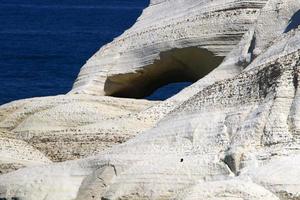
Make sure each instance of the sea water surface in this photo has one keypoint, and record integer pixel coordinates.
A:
(43, 43)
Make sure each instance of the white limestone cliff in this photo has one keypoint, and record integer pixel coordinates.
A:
(233, 134)
(172, 41)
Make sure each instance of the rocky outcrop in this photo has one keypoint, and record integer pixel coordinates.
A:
(172, 41)
(234, 134)
(16, 153)
(70, 127)
(76, 126)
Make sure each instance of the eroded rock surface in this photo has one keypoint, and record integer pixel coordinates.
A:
(68, 127)
(234, 134)
(177, 39)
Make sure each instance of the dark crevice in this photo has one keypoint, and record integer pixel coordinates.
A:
(294, 22)
(233, 161)
(252, 47)
(185, 65)
(296, 78)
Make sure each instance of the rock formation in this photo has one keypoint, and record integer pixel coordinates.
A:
(172, 41)
(233, 134)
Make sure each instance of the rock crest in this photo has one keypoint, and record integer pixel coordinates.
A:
(233, 134)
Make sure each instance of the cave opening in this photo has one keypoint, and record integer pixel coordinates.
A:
(294, 22)
(173, 71)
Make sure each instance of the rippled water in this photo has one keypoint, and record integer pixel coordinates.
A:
(44, 43)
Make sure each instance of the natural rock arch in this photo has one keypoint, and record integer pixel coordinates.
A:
(177, 65)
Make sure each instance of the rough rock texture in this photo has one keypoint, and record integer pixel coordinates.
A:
(175, 40)
(16, 153)
(234, 134)
(69, 127)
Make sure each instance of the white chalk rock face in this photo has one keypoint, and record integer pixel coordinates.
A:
(226, 190)
(173, 40)
(16, 153)
(234, 134)
(69, 127)
(183, 44)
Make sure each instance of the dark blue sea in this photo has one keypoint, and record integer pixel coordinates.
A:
(43, 43)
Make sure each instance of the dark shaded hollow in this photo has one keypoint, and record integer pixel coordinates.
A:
(294, 22)
(177, 65)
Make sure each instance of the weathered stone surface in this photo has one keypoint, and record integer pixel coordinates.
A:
(16, 153)
(234, 134)
(68, 127)
(172, 41)
(226, 190)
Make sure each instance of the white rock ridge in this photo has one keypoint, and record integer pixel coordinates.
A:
(172, 41)
(234, 134)
(67, 127)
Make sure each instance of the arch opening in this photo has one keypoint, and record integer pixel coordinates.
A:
(167, 91)
(186, 66)
(294, 22)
